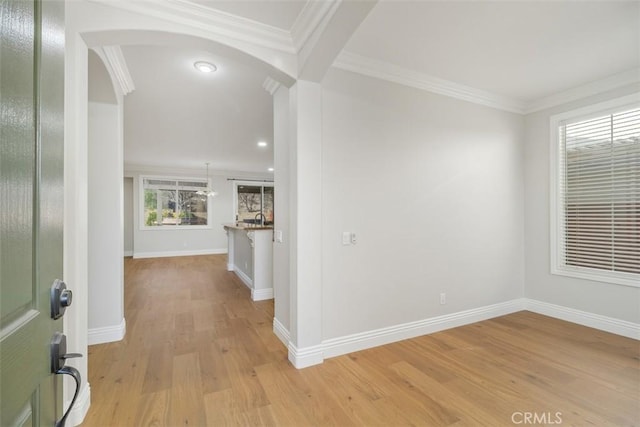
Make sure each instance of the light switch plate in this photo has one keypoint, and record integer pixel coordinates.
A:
(279, 236)
(346, 238)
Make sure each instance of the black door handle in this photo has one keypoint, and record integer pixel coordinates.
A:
(59, 356)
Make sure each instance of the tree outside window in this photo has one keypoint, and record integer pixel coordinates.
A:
(169, 202)
(253, 201)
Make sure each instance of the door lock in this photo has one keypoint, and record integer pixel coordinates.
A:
(61, 298)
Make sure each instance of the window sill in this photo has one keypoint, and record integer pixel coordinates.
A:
(614, 278)
(176, 227)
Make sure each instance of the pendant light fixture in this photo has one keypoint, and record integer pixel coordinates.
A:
(208, 191)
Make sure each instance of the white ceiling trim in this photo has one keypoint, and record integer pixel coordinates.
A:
(599, 86)
(116, 66)
(133, 169)
(310, 18)
(270, 85)
(214, 21)
(383, 70)
(120, 71)
(387, 71)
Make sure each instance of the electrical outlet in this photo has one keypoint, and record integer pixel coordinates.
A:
(443, 298)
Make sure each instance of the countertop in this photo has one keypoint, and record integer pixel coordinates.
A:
(248, 227)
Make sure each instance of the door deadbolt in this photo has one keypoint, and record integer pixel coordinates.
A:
(61, 298)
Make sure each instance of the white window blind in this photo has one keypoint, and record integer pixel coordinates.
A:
(599, 193)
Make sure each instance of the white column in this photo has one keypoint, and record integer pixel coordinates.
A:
(76, 216)
(305, 114)
(282, 240)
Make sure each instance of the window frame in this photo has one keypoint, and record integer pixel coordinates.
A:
(141, 220)
(557, 264)
(237, 183)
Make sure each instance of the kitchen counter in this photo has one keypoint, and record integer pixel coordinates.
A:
(250, 257)
(243, 226)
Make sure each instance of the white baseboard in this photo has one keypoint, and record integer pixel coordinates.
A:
(107, 333)
(281, 332)
(261, 294)
(164, 254)
(80, 409)
(308, 356)
(356, 342)
(597, 321)
(305, 357)
(245, 279)
(128, 253)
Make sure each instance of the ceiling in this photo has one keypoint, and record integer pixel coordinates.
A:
(180, 117)
(277, 13)
(524, 50)
(521, 50)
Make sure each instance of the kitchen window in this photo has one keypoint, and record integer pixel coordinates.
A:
(595, 229)
(254, 202)
(174, 203)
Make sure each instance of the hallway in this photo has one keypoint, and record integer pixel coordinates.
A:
(192, 330)
(199, 352)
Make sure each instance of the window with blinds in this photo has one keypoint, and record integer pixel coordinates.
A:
(598, 195)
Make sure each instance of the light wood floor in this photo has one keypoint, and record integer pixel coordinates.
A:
(199, 352)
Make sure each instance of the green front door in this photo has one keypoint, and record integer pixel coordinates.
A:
(31, 207)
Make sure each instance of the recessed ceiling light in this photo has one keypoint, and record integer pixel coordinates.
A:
(262, 144)
(205, 67)
(270, 169)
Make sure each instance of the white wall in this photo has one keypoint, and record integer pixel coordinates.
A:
(433, 189)
(616, 301)
(127, 208)
(176, 241)
(106, 296)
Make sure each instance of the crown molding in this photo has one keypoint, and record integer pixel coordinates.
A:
(270, 85)
(383, 70)
(312, 15)
(599, 86)
(132, 169)
(213, 21)
(117, 67)
(386, 71)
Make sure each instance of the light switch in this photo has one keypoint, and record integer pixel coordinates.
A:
(279, 236)
(346, 238)
(353, 238)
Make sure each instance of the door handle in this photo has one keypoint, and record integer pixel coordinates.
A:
(61, 298)
(59, 356)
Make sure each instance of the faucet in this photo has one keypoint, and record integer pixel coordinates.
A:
(262, 218)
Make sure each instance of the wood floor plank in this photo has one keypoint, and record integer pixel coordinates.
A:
(159, 373)
(199, 352)
(213, 372)
(152, 409)
(186, 407)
